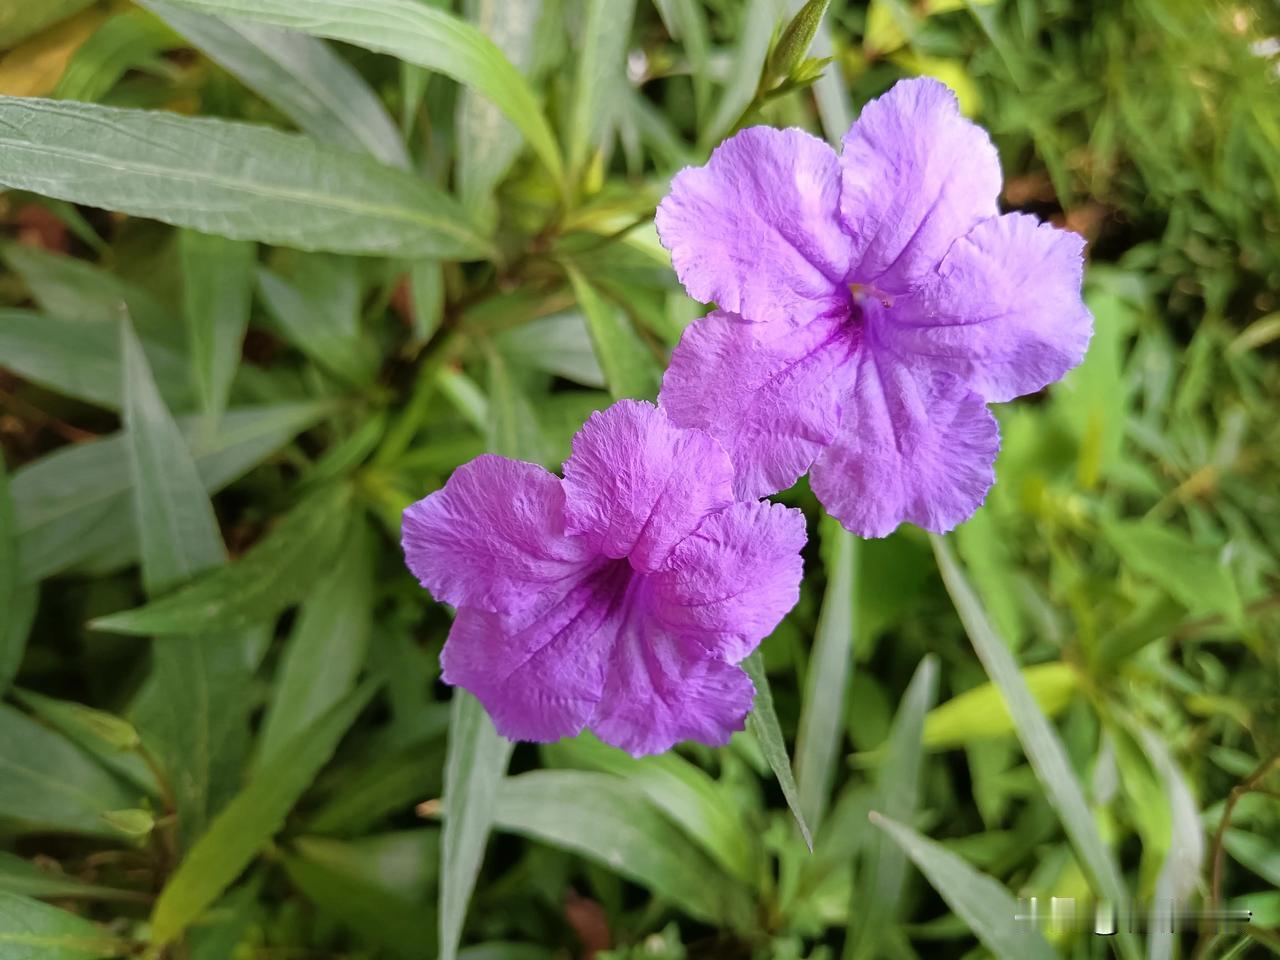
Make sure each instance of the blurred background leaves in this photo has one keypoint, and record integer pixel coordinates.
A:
(272, 270)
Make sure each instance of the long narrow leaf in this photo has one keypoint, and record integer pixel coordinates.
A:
(897, 785)
(76, 500)
(417, 33)
(217, 289)
(474, 767)
(628, 368)
(822, 715)
(986, 906)
(763, 723)
(277, 571)
(1044, 749)
(602, 818)
(298, 75)
(16, 598)
(236, 180)
(250, 820)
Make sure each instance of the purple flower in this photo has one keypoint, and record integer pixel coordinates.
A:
(871, 306)
(618, 598)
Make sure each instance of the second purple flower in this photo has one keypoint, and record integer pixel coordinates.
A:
(871, 305)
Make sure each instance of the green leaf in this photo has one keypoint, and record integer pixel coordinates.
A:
(177, 529)
(487, 142)
(75, 501)
(233, 179)
(474, 766)
(1184, 852)
(28, 880)
(744, 70)
(821, 733)
(427, 296)
(299, 76)
(1195, 576)
(325, 652)
(251, 819)
(513, 422)
(74, 289)
(980, 713)
(17, 599)
(600, 79)
(417, 33)
(319, 312)
(126, 41)
(628, 367)
(559, 344)
(276, 572)
(31, 930)
(111, 739)
(194, 710)
(762, 721)
(984, 904)
(605, 820)
(684, 792)
(46, 783)
(879, 893)
(375, 886)
(217, 287)
(1043, 747)
(81, 358)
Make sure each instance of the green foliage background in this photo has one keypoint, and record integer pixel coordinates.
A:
(222, 733)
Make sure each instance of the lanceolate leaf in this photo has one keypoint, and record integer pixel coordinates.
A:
(31, 930)
(600, 80)
(628, 367)
(232, 179)
(298, 75)
(1044, 749)
(193, 712)
(822, 717)
(16, 597)
(250, 820)
(217, 288)
(763, 723)
(24, 878)
(47, 783)
(177, 529)
(682, 790)
(897, 786)
(327, 648)
(487, 142)
(986, 906)
(81, 358)
(474, 767)
(417, 33)
(603, 819)
(276, 572)
(76, 500)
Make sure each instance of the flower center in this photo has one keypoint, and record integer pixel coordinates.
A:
(863, 293)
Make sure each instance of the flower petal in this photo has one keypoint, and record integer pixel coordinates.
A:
(730, 583)
(916, 176)
(637, 484)
(769, 393)
(661, 690)
(1005, 313)
(492, 536)
(540, 673)
(915, 445)
(757, 230)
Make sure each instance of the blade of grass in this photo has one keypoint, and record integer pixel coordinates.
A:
(1044, 749)
(821, 731)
